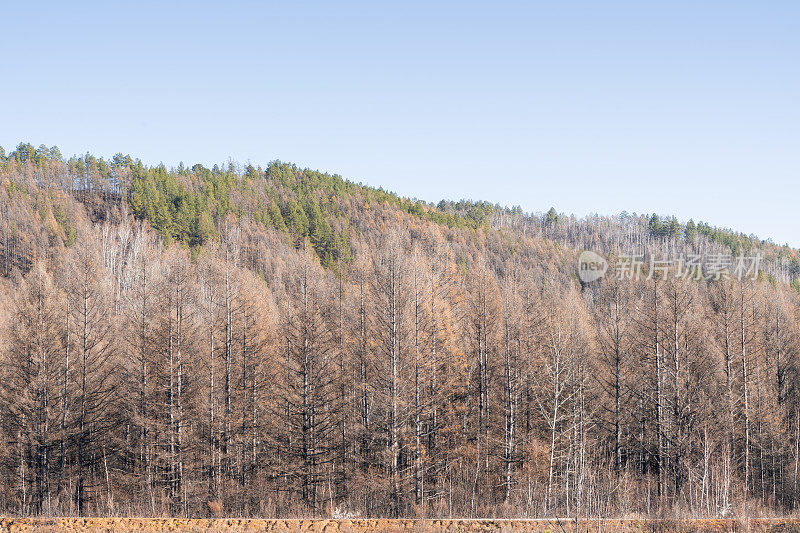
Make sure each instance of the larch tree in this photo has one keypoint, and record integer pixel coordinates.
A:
(92, 375)
(31, 393)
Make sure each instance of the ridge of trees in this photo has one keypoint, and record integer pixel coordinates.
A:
(184, 204)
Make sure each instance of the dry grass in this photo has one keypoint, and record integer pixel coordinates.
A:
(147, 525)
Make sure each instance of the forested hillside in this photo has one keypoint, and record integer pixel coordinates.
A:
(282, 342)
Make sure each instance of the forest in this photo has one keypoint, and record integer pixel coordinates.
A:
(283, 342)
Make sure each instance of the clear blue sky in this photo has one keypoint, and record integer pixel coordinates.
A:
(677, 107)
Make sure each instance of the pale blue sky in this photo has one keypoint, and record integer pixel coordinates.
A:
(677, 107)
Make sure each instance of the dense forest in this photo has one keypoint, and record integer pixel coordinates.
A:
(283, 342)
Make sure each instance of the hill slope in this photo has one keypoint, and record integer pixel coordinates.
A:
(279, 341)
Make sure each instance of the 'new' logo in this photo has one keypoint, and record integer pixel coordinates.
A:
(591, 266)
